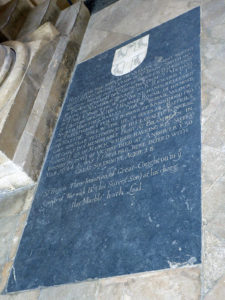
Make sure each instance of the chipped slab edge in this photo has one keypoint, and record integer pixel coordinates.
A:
(168, 275)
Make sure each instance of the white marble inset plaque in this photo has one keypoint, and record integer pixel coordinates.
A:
(129, 57)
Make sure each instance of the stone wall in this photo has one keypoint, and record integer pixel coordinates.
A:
(35, 75)
(107, 28)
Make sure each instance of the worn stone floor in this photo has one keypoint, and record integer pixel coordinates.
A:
(107, 28)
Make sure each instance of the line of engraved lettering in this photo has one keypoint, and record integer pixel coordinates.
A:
(87, 200)
(137, 179)
(159, 134)
(113, 171)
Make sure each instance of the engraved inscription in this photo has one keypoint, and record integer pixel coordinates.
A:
(120, 190)
(111, 133)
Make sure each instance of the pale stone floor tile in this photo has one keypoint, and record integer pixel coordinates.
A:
(3, 158)
(7, 168)
(213, 203)
(11, 229)
(79, 291)
(213, 259)
(98, 41)
(18, 235)
(217, 32)
(217, 224)
(13, 179)
(12, 203)
(121, 21)
(211, 98)
(213, 13)
(215, 72)
(213, 133)
(4, 274)
(31, 295)
(212, 49)
(213, 170)
(16, 202)
(173, 284)
(124, 16)
(218, 291)
(8, 227)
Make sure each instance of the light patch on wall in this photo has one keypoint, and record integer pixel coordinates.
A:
(129, 57)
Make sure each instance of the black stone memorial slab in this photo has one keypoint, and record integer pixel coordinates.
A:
(120, 189)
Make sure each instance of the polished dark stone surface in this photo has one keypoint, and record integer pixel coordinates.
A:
(120, 190)
(96, 5)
